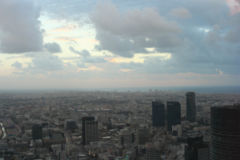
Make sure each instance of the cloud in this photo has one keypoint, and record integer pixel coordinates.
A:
(219, 71)
(86, 56)
(45, 62)
(233, 36)
(65, 28)
(234, 6)
(126, 70)
(204, 42)
(200, 37)
(180, 13)
(84, 53)
(90, 68)
(132, 31)
(19, 27)
(140, 58)
(53, 47)
(17, 65)
(68, 39)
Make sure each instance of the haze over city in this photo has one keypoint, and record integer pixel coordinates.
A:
(49, 44)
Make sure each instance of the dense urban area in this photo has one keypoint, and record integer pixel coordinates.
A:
(71, 125)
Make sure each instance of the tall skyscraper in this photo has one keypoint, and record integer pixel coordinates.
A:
(158, 114)
(36, 131)
(173, 114)
(191, 106)
(225, 133)
(70, 125)
(89, 130)
(196, 149)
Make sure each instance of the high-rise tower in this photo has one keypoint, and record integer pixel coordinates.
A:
(173, 114)
(158, 114)
(225, 133)
(37, 131)
(191, 106)
(89, 130)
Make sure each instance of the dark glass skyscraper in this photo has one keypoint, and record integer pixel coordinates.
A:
(191, 106)
(173, 114)
(225, 133)
(196, 149)
(37, 131)
(158, 114)
(84, 121)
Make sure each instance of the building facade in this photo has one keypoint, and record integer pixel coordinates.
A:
(89, 130)
(225, 133)
(191, 106)
(196, 149)
(152, 154)
(173, 114)
(158, 114)
(37, 132)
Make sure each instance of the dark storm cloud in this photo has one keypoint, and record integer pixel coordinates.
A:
(132, 31)
(53, 47)
(207, 43)
(19, 27)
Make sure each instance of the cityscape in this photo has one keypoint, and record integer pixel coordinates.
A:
(106, 125)
(119, 80)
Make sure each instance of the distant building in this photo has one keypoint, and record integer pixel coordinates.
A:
(37, 131)
(152, 154)
(177, 130)
(173, 114)
(143, 135)
(89, 130)
(70, 125)
(127, 137)
(196, 149)
(158, 114)
(191, 106)
(225, 133)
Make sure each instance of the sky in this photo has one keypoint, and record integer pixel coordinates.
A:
(79, 44)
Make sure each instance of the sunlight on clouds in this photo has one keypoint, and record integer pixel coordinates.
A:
(150, 49)
(202, 29)
(68, 32)
(90, 68)
(126, 70)
(140, 58)
(219, 71)
(65, 28)
(147, 39)
(7, 61)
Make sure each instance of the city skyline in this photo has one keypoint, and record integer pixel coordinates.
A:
(76, 44)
